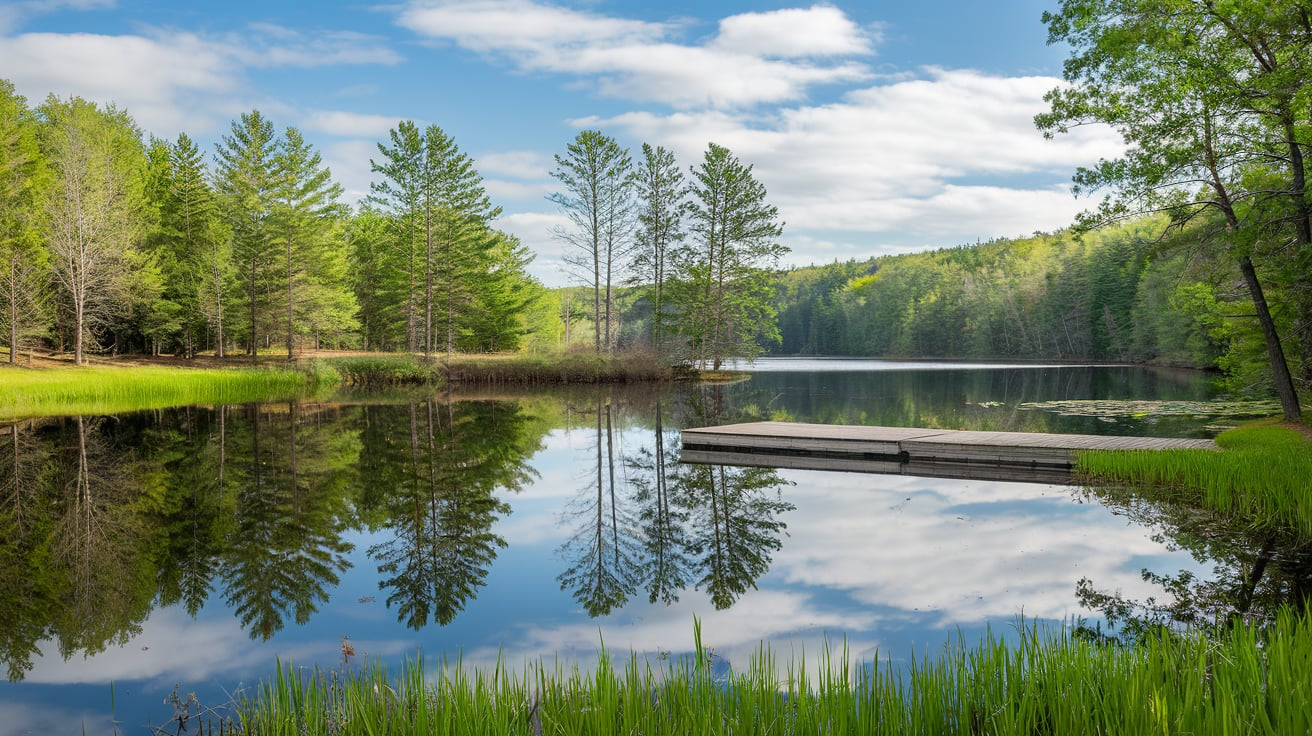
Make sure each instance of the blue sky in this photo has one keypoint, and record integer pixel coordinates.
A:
(876, 126)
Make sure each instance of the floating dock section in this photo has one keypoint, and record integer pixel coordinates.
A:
(940, 453)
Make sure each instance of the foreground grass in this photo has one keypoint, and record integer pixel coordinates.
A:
(111, 389)
(1248, 681)
(1262, 473)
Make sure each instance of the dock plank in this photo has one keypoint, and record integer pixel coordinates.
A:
(918, 451)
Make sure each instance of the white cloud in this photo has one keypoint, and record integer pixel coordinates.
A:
(269, 45)
(172, 81)
(349, 162)
(165, 84)
(536, 32)
(535, 230)
(349, 124)
(821, 30)
(755, 59)
(946, 157)
(12, 14)
(516, 164)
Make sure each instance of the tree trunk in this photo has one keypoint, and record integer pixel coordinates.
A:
(1279, 368)
(291, 300)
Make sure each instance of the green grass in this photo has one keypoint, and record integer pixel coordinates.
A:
(556, 368)
(107, 390)
(1262, 473)
(1249, 680)
(384, 370)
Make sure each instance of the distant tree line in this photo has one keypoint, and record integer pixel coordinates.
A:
(111, 241)
(1117, 294)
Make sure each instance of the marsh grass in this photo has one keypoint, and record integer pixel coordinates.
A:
(555, 368)
(107, 390)
(1262, 473)
(370, 371)
(1032, 681)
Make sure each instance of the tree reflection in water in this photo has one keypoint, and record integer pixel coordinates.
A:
(442, 505)
(670, 524)
(1255, 570)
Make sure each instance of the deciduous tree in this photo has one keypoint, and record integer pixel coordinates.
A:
(95, 213)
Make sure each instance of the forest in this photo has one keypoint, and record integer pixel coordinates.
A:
(112, 242)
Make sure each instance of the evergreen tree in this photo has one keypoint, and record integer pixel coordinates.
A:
(304, 217)
(598, 200)
(724, 295)
(401, 193)
(23, 180)
(247, 189)
(660, 191)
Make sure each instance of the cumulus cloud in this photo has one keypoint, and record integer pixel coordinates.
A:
(820, 30)
(755, 58)
(947, 155)
(349, 124)
(172, 81)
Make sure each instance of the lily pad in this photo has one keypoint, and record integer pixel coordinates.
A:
(1104, 408)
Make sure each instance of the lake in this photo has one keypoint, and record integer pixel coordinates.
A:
(193, 547)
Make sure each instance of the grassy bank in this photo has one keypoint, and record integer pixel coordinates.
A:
(383, 369)
(556, 368)
(1261, 474)
(1248, 681)
(113, 389)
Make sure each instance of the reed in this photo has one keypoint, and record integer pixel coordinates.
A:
(1037, 681)
(555, 368)
(1261, 474)
(375, 370)
(107, 390)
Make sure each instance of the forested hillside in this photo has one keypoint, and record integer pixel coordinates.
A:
(1118, 294)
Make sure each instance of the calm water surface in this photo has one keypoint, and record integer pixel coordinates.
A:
(192, 547)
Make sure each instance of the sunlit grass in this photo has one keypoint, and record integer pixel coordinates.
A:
(107, 390)
(1029, 681)
(1262, 473)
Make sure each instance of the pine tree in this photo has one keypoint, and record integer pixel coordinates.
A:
(23, 183)
(247, 189)
(724, 296)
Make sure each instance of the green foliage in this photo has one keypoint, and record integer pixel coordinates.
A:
(1037, 681)
(1261, 474)
(1049, 296)
(95, 213)
(573, 367)
(24, 183)
(722, 282)
(383, 370)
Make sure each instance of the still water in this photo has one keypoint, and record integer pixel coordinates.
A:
(192, 547)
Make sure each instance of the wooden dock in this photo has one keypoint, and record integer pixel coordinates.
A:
(1021, 456)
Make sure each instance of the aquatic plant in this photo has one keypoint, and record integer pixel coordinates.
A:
(556, 368)
(383, 370)
(108, 390)
(1249, 680)
(1261, 474)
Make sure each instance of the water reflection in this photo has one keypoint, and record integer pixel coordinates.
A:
(432, 471)
(218, 530)
(1256, 570)
(663, 525)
